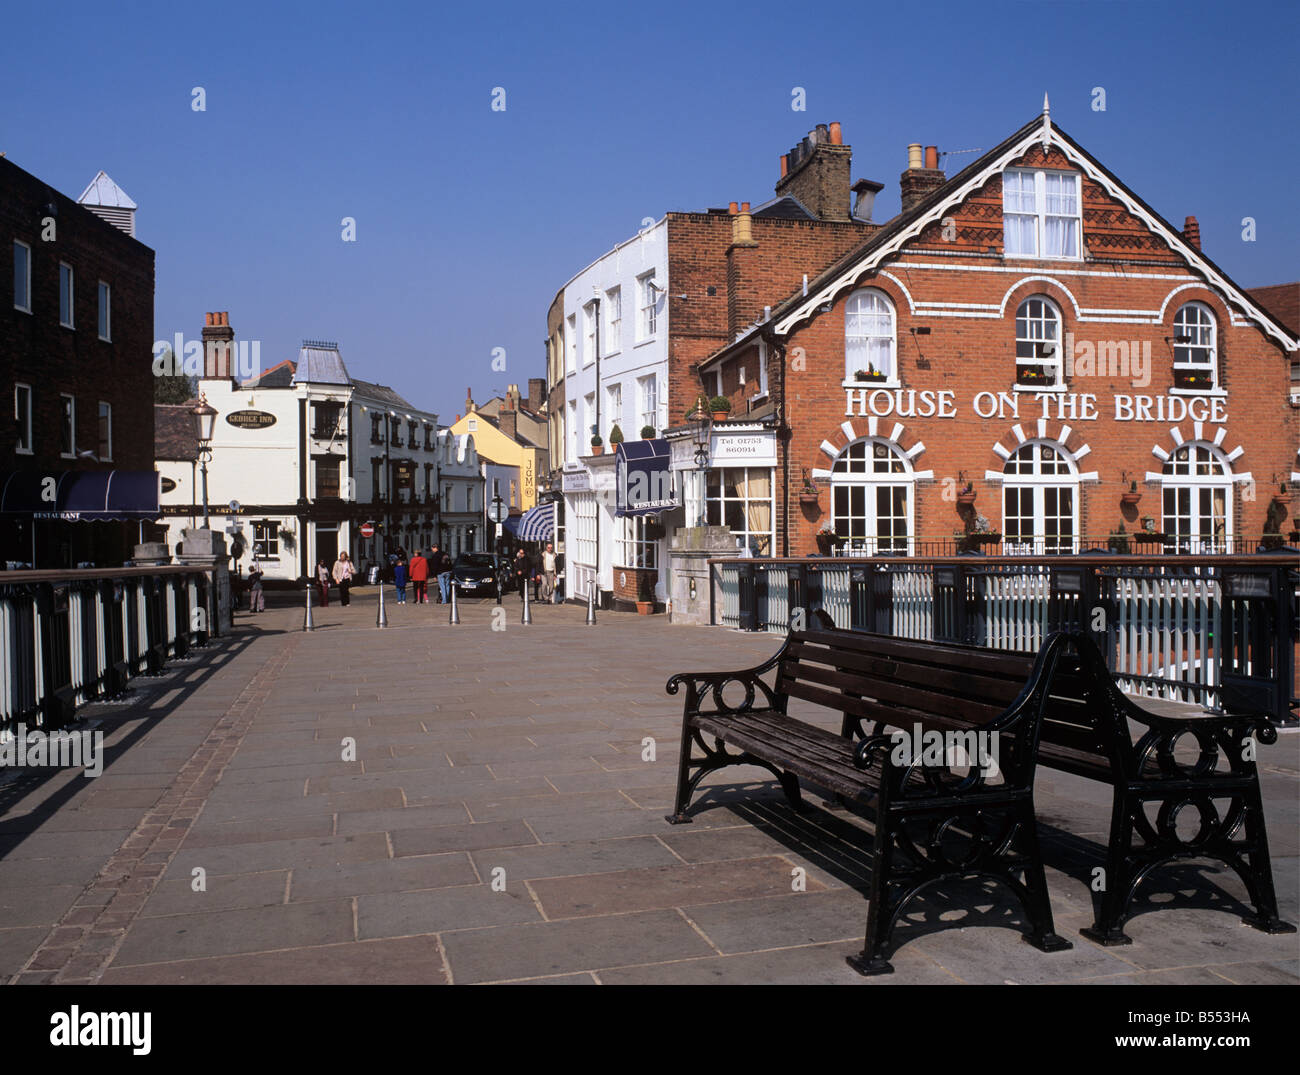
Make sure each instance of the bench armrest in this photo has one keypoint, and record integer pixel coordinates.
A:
(916, 778)
(699, 685)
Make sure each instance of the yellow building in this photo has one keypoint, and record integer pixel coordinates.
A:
(502, 443)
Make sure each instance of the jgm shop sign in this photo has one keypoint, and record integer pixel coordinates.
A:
(250, 419)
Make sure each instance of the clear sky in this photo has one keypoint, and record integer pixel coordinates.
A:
(468, 220)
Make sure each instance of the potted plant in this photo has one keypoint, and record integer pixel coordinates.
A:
(808, 495)
(1132, 496)
(720, 406)
(869, 374)
(645, 597)
(967, 494)
(597, 445)
(1118, 540)
(1185, 378)
(1036, 376)
(647, 432)
(615, 435)
(826, 540)
(984, 534)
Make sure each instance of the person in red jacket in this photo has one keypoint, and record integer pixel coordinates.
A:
(419, 567)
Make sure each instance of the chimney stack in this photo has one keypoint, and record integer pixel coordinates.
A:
(217, 338)
(923, 175)
(816, 171)
(469, 401)
(1192, 232)
(536, 394)
(508, 422)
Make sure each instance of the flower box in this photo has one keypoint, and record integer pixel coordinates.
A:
(1185, 378)
(1035, 376)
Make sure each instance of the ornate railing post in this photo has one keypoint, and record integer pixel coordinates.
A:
(1254, 644)
(748, 597)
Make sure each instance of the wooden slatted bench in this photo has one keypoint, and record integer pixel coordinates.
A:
(1063, 701)
(936, 817)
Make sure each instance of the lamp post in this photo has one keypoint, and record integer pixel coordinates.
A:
(701, 434)
(205, 417)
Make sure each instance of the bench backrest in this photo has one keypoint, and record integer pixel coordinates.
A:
(903, 683)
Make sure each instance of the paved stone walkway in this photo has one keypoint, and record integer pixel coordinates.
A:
(496, 822)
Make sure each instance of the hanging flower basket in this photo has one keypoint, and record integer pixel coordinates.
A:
(1130, 498)
(966, 496)
(809, 496)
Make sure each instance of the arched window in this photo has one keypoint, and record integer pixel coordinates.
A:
(1195, 485)
(869, 338)
(871, 497)
(1040, 500)
(1038, 344)
(1195, 366)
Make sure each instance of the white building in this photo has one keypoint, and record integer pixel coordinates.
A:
(615, 346)
(309, 454)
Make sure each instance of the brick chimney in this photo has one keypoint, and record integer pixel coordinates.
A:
(742, 270)
(536, 394)
(1192, 232)
(508, 422)
(469, 401)
(922, 175)
(816, 171)
(217, 338)
(512, 398)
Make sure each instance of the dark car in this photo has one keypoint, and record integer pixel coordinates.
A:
(478, 572)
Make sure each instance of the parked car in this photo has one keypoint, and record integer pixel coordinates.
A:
(479, 572)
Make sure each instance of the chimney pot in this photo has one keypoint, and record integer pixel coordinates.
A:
(913, 156)
(744, 207)
(837, 135)
(932, 156)
(785, 165)
(821, 135)
(733, 209)
(1192, 232)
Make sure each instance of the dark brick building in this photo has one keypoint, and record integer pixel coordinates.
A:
(76, 332)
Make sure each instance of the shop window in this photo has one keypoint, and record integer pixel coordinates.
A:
(740, 498)
(871, 498)
(266, 539)
(635, 548)
(1195, 367)
(1196, 483)
(1040, 501)
(1038, 344)
(869, 345)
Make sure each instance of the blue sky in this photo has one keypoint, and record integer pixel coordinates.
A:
(469, 220)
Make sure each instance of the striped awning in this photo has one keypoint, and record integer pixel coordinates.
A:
(536, 524)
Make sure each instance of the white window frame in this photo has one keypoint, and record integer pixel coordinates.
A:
(270, 540)
(1183, 351)
(1038, 481)
(647, 392)
(647, 324)
(886, 471)
(613, 320)
(1040, 214)
(613, 411)
(71, 322)
(762, 370)
(573, 429)
(25, 306)
(1051, 357)
(1196, 481)
(105, 320)
(105, 405)
(571, 344)
(588, 420)
(68, 413)
(18, 418)
(583, 530)
(872, 295)
(722, 500)
(590, 332)
(632, 547)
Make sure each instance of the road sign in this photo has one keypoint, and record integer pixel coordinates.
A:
(367, 530)
(497, 511)
(234, 506)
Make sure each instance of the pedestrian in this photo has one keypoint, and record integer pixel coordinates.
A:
(420, 578)
(344, 571)
(255, 601)
(548, 573)
(323, 582)
(522, 571)
(440, 562)
(400, 574)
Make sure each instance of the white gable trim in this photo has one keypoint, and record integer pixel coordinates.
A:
(1046, 135)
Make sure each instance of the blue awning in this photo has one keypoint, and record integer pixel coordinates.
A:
(81, 495)
(537, 523)
(645, 485)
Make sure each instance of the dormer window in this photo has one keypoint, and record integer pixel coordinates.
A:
(1041, 216)
(1194, 348)
(1038, 345)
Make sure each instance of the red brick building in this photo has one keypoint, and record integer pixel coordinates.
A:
(1027, 350)
(76, 332)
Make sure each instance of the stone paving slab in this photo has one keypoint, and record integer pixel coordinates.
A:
(498, 824)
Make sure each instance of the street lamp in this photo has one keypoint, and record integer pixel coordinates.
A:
(701, 423)
(205, 418)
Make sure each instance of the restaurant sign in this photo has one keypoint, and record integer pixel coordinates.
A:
(250, 419)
